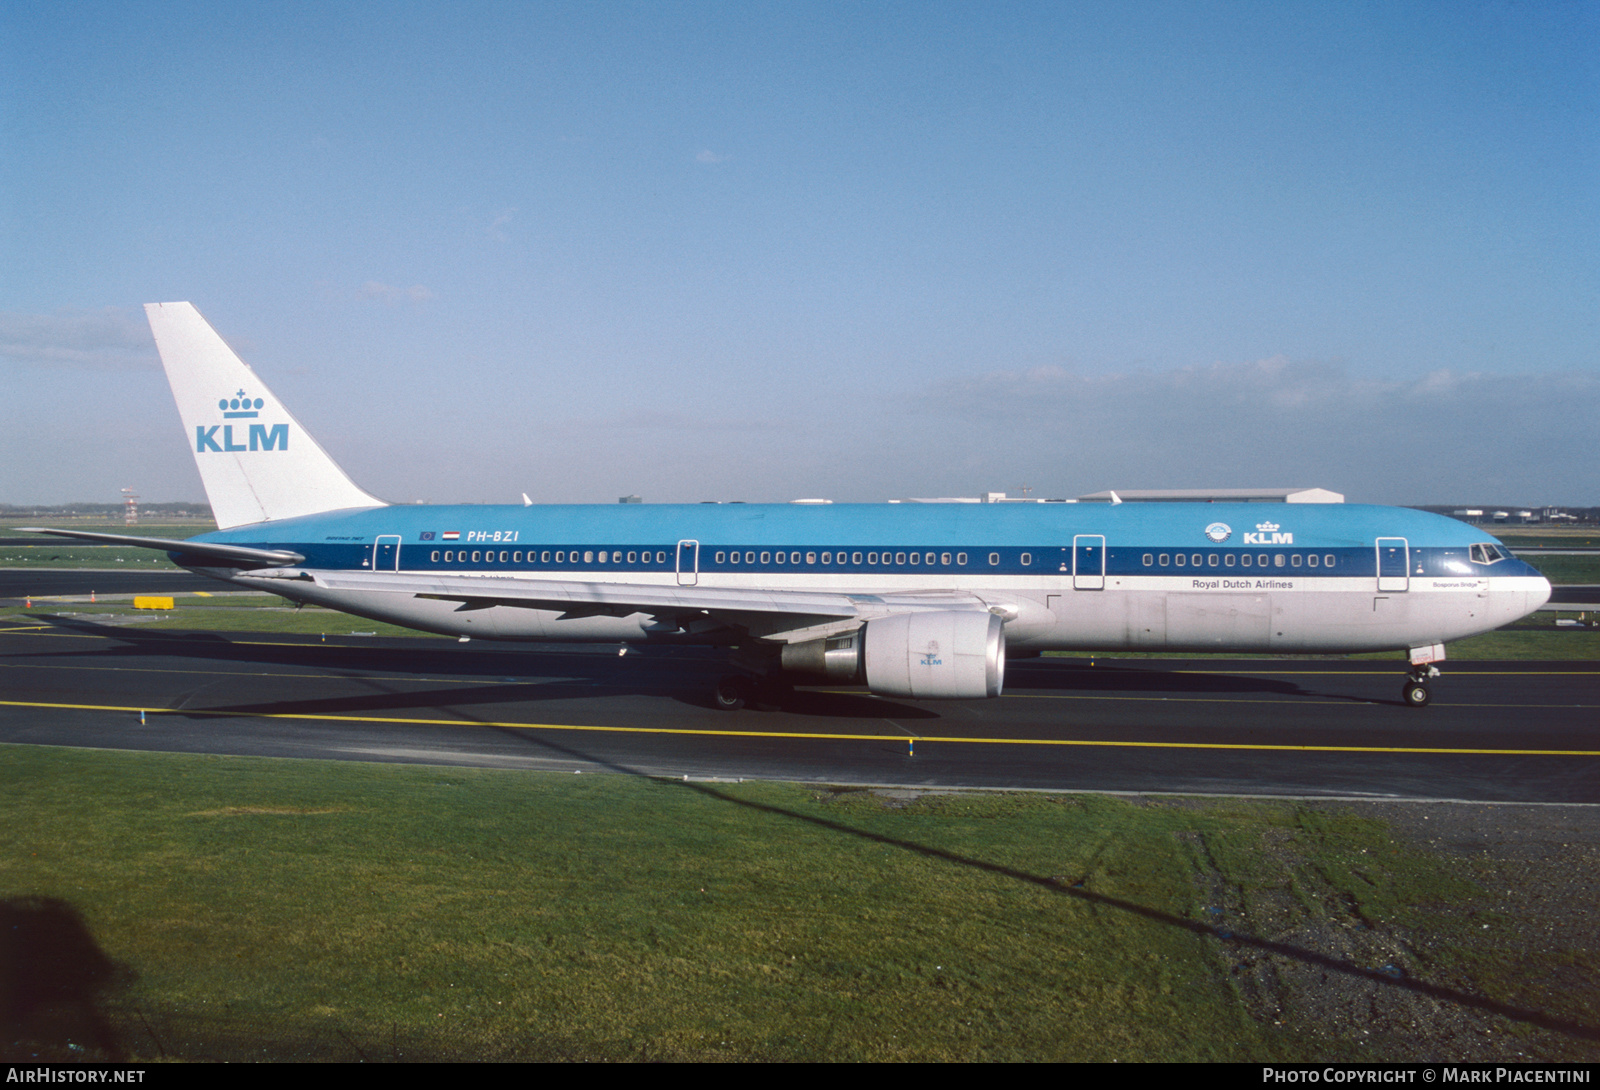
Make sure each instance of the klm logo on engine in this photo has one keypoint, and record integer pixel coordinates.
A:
(1266, 533)
(260, 436)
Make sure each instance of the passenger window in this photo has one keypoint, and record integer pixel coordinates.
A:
(632, 556)
(722, 558)
(944, 558)
(1294, 560)
(811, 558)
(516, 557)
(1211, 561)
(749, 558)
(827, 558)
(872, 558)
(1227, 560)
(855, 558)
(1164, 559)
(1027, 558)
(1182, 560)
(916, 558)
(961, 558)
(475, 555)
(794, 558)
(766, 558)
(1312, 560)
(588, 556)
(1195, 560)
(994, 560)
(899, 558)
(1148, 560)
(544, 557)
(1327, 561)
(502, 558)
(1277, 561)
(434, 556)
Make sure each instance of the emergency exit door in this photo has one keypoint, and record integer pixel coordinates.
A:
(1089, 562)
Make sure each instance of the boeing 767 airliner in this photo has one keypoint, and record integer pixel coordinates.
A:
(912, 600)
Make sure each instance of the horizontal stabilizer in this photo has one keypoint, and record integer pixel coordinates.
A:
(206, 550)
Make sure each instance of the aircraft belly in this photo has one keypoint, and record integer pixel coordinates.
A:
(1219, 622)
(1350, 619)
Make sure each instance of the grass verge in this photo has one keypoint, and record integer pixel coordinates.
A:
(244, 908)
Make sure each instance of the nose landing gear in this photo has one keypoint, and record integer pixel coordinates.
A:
(1416, 692)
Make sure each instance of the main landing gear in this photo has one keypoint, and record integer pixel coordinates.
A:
(733, 692)
(738, 690)
(1416, 692)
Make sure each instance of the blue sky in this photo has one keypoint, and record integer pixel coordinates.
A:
(859, 251)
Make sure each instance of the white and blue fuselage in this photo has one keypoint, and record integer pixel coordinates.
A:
(1135, 576)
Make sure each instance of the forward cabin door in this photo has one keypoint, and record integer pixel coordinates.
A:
(688, 563)
(1089, 562)
(386, 553)
(1394, 564)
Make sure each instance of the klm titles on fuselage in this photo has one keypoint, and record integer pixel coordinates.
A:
(260, 436)
(1266, 533)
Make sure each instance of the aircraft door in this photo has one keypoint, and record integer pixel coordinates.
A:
(386, 553)
(1394, 563)
(688, 563)
(1089, 562)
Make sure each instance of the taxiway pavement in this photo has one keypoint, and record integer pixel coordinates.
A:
(1512, 731)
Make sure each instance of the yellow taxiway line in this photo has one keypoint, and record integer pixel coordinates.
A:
(807, 735)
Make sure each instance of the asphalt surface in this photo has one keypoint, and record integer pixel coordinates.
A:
(1522, 731)
(19, 584)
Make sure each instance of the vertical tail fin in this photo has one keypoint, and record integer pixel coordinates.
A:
(257, 463)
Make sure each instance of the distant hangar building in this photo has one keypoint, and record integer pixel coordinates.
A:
(1214, 495)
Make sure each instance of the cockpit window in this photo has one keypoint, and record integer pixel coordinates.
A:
(1485, 553)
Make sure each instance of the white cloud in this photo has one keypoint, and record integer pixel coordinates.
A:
(708, 156)
(374, 289)
(497, 229)
(111, 338)
(1280, 422)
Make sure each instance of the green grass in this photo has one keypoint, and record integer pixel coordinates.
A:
(82, 556)
(1582, 570)
(274, 909)
(182, 529)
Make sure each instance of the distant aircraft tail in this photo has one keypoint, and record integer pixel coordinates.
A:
(258, 464)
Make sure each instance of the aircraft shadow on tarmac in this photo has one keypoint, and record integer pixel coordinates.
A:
(539, 673)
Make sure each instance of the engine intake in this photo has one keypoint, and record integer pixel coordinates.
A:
(938, 655)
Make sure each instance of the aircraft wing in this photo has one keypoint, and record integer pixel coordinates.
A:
(766, 613)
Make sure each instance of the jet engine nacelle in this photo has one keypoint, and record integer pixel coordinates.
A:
(936, 655)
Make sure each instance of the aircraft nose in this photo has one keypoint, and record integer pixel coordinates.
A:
(1539, 595)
